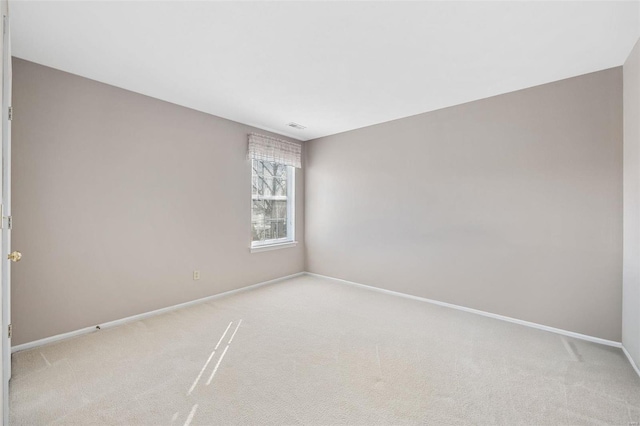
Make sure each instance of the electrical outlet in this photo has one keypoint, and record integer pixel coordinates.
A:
(196, 275)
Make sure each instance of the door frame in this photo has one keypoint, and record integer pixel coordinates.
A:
(5, 217)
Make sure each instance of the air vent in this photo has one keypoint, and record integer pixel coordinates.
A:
(297, 126)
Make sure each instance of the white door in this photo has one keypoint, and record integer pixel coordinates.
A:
(6, 255)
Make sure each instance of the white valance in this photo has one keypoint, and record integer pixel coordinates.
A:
(267, 148)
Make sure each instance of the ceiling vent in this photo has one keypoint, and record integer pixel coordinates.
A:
(297, 126)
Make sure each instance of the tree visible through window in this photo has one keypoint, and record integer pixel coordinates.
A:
(271, 203)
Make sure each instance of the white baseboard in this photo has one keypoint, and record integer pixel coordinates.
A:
(479, 312)
(118, 322)
(138, 317)
(633, 363)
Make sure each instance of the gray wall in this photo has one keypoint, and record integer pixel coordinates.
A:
(118, 197)
(511, 205)
(631, 284)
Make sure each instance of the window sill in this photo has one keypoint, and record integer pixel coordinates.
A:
(268, 247)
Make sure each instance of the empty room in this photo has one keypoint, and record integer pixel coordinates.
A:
(320, 212)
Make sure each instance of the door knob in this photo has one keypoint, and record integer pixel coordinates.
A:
(15, 256)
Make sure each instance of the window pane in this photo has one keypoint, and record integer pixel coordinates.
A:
(269, 179)
(268, 219)
(269, 201)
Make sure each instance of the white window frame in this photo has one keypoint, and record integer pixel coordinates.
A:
(290, 239)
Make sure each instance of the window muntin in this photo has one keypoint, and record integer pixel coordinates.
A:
(272, 203)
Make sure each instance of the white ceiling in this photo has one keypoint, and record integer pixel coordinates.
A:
(331, 66)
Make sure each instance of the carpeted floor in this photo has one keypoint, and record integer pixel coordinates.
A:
(315, 351)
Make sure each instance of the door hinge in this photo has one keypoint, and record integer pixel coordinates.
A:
(10, 330)
(10, 113)
(6, 222)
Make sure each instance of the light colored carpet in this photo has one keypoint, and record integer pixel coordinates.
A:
(315, 351)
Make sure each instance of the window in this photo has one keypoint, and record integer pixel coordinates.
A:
(272, 203)
(273, 164)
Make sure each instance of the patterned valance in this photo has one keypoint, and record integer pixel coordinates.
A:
(267, 148)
